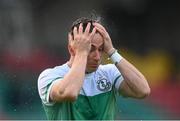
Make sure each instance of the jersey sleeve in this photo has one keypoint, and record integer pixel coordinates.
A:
(115, 76)
(45, 81)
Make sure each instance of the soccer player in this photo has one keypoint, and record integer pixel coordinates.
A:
(82, 88)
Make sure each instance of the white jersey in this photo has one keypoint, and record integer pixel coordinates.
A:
(98, 86)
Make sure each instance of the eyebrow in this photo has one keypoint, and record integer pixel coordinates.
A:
(101, 46)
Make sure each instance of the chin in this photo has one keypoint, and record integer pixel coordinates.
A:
(90, 70)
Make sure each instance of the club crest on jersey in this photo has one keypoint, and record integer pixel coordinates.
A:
(103, 84)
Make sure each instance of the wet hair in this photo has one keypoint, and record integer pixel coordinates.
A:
(84, 21)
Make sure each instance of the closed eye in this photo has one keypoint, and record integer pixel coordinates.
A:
(100, 49)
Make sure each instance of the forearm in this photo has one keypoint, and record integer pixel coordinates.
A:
(74, 79)
(134, 84)
(134, 79)
(69, 87)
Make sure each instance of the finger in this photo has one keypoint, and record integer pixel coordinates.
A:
(93, 32)
(87, 28)
(99, 26)
(75, 31)
(80, 28)
(101, 31)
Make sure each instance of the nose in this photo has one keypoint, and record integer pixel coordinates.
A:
(97, 55)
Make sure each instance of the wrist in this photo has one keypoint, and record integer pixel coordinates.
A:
(81, 53)
(115, 57)
(111, 51)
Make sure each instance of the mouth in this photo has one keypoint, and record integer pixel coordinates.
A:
(94, 65)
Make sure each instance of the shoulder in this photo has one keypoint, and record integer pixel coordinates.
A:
(57, 70)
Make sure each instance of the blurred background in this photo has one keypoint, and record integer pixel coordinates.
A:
(33, 37)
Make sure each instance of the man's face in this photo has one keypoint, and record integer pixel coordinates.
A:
(95, 55)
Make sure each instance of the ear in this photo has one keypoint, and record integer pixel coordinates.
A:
(71, 50)
(70, 37)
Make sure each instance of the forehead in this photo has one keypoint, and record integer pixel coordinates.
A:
(97, 40)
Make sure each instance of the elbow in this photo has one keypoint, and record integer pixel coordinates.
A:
(61, 96)
(71, 96)
(144, 93)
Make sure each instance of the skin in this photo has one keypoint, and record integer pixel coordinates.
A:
(135, 84)
(85, 56)
(95, 54)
